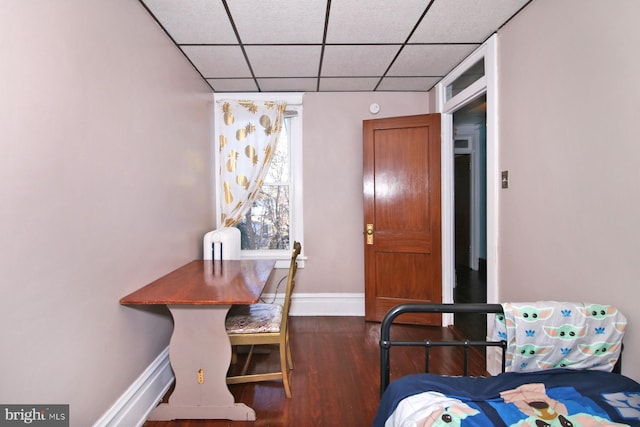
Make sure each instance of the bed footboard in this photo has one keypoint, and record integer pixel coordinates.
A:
(386, 343)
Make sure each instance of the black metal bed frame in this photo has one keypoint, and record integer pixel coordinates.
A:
(479, 308)
(386, 343)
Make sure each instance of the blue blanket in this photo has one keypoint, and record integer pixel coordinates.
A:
(554, 397)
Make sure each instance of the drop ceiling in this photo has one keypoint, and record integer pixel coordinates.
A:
(328, 45)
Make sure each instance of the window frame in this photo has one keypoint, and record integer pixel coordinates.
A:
(296, 230)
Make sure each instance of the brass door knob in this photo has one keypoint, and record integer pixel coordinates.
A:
(369, 234)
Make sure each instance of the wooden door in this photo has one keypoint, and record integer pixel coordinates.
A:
(401, 180)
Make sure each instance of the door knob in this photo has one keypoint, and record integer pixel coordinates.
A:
(369, 234)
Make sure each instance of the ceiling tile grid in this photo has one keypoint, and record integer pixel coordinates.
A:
(328, 45)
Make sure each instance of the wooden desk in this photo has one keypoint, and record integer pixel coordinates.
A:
(199, 295)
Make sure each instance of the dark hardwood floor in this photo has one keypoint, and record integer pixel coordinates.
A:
(336, 377)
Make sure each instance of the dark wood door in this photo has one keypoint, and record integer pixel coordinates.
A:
(402, 214)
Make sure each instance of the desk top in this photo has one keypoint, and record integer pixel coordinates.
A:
(206, 282)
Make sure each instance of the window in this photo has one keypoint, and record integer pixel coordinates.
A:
(274, 221)
(267, 224)
(469, 76)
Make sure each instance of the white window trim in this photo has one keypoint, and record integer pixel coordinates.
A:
(294, 102)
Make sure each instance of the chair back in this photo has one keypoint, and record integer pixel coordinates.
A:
(291, 283)
(222, 243)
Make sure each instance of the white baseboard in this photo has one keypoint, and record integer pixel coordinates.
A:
(134, 406)
(327, 304)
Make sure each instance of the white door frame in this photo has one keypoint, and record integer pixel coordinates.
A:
(484, 85)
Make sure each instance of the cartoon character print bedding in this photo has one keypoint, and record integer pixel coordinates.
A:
(545, 335)
(559, 358)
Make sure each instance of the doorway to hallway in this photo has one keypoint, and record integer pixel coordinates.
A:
(470, 223)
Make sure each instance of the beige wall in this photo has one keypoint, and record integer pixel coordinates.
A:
(104, 186)
(569, 97)
(333, 184)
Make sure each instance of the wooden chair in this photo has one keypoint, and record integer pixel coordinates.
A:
(264, 324)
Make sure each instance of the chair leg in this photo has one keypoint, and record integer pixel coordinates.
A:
(285, 371)
(234, 354)
(289, 357)
(245, 368)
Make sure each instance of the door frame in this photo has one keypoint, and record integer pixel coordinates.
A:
(486, 84)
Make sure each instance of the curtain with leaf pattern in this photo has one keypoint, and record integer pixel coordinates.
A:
(248, 133)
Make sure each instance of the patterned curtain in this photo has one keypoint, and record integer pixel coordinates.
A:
(247, 136)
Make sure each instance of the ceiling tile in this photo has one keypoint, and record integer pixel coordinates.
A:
(373, 21)
(345, 84)
(284, 61)
(288, 85)
(408, 84)
(358, 61)
(279, 21)
(469, 21)
(233, 85)
(193, 21)
(218, 61)
(429, 60)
